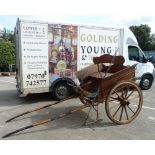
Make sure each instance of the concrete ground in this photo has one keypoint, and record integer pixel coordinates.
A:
(70, 127)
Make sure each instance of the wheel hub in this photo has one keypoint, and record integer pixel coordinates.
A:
(146, 82)
(124, 102)
(62, 91)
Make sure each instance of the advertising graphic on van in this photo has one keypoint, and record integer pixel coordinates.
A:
(62, 48)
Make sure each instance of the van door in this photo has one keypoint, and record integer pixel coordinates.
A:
(136, 56)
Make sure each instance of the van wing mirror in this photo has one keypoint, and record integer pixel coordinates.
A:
(145, 60)
(150, 59)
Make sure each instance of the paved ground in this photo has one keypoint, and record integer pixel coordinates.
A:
(70, 127)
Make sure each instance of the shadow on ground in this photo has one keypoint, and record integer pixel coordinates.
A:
(73, 121)
(11, 98)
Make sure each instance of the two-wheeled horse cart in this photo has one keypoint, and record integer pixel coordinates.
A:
(107, 80)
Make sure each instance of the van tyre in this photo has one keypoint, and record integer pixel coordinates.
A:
(146, 82)
(62, 90)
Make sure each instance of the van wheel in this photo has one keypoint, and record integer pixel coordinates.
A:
(146, 82)
(61, 90)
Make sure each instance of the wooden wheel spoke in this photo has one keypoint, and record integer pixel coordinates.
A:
(122, 93)
(127, 90)
(116, 111)
(117, 94)
(123, 90)
(130, 93)
(126, 113)
(131, 109)
(113, 99)
(121, 114)
(134, 98)
(114, 106)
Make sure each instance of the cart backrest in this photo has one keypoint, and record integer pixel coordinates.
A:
(106, 58)
(117, 62)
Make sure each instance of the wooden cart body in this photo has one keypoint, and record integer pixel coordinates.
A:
(113, 85)
(97, 76)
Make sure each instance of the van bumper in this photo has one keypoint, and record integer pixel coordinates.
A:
(137, 80)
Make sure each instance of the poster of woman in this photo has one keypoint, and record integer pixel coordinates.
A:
(62, 48)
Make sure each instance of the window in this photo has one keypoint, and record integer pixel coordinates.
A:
(135, 54)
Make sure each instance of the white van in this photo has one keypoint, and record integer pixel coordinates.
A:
(49, 54)
(133, 54)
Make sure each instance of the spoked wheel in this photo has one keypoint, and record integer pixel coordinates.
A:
(124, 102)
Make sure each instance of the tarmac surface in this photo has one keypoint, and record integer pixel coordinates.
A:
(70, 127)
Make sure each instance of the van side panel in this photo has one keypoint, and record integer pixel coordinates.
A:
(50, 52)
(18, 66)
(33, 56)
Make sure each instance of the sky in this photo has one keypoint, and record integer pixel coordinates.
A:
(102, 12)
(9, 21)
